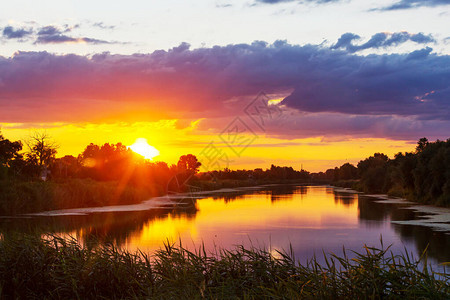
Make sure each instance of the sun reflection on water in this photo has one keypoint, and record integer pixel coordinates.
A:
(245, 218)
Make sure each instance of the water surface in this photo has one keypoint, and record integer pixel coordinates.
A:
(311, 219)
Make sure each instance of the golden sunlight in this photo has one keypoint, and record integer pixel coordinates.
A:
(141, 147)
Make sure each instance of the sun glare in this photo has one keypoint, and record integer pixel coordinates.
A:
(143, 148)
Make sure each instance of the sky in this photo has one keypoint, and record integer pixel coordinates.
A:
(240, 84)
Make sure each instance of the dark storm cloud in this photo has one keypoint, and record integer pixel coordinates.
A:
(10, 32)
(329, 90)
(407, 4)
(380, 40)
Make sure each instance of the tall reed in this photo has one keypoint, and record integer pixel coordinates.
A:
(56, 268)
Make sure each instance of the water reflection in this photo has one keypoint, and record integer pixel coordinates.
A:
(374, 214)
(346, 199)
(437, 242)
(96, 228)
(310, 218)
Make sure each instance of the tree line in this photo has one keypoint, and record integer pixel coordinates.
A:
(274, 173)
(108, 162)
(422, 175)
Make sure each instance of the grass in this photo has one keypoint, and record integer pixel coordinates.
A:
(20, 197)
(54, 268)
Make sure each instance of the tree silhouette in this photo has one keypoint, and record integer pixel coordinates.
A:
(41, 149)
(373, 172)
(107, 162)
(10, 158)
(421, 144)
(9, 151)
(188, 163)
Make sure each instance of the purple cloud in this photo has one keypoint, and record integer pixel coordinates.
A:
(382, 95)
(53, 35)
(408, 4)
(10, 32)
(49, 30)
(380, 40)
(61, 38)
(361, 126)
(281, 1)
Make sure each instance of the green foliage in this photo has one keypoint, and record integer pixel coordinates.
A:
(422, 176)
(373, 171)
(347, 172)
(9, 151)
(20, 197)
(274, 174)
(344, 174)
(40, 155)
(9, 157)
(56, 268)
(432, 173)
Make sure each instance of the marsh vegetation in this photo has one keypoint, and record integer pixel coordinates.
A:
(56, 268)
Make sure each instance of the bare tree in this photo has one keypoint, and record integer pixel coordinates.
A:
(41, 148)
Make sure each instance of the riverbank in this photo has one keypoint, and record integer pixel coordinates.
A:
(396, 193)
(25, 197)
(67, 270)
(28, 197)
(22, 197)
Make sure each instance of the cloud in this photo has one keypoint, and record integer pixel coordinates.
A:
(346, 40)
(273, 1)
(61, 39)
(380, 40)
(51, 34)
(408, 4)
(102, 25)
(283, 1)
(49, 30)
(419, 54)
(325, 90)
(10, 32)
(359, 126)
(225, 5)
(399, 5)
(54, 35)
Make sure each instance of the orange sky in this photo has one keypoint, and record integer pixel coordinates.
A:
(314, 154)
(251, 105)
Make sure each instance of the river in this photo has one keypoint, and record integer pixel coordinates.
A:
(308, 219)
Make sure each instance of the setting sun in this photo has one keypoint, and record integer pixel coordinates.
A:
(143, 148)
